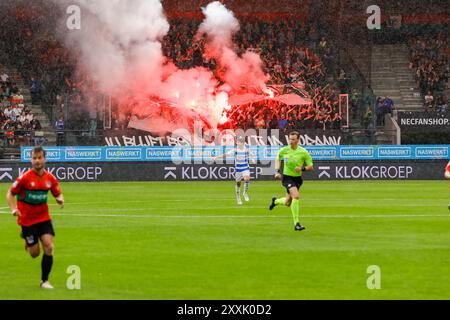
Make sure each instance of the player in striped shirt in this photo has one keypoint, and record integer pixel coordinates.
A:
(242, 168)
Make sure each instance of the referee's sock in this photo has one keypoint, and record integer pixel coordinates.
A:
(280, 201)
(46, 266)
(295, 208)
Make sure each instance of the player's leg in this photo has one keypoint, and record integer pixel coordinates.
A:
(47, 259)
(293, 192)
(246, 185)
(29, 234)
(33, 250)
(238, 187)
(296, 203)
(295, 208)
(285, 201)
(47, 235)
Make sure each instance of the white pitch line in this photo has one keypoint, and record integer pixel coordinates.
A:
(305, 204)
(187, 216)
(232, 199)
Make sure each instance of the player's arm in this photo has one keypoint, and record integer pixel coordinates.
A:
(308, 165)
(252, 158)
(447, 172)
(278, 165)
(224, 155)
(60, 200)
(15, 189)
(56, 192)
(307, 168)
(11, 200)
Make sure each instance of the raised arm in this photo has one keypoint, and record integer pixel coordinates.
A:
(224, 155)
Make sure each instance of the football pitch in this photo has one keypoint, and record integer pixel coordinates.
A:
(190, 240)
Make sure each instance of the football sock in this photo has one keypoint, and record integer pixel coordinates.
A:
(238, 189)
(46, 266)
(281, 201)
(295, 210)
(246, 186)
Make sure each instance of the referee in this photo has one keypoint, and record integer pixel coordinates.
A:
(296, 160)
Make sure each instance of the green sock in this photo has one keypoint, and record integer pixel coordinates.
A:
(295, 210)
(281, 201)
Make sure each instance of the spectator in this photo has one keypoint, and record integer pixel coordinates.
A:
(367, 120)
(389, 104)
(380, 110)
(35, 125)
(429, 102)
(92, 123)
(282, 124)
(4, 77)
(60, 131)
(441, 105)
(36, 91)
(273, 124)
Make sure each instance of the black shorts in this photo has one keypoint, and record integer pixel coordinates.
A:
(32, 233)
(289, 182)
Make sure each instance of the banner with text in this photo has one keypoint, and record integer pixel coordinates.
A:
(257, 153)
(424, 121)
(133, 138)
(157, 171)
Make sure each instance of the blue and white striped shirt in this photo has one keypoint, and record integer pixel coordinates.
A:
(241, 159)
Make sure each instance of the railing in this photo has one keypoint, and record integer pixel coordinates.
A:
(359, 82)
(392, 129)
(17, 138)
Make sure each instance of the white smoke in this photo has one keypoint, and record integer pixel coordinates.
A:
(120, 43)
(120, 48)
(219, 26)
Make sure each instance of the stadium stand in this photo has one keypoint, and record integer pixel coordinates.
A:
(381, 74)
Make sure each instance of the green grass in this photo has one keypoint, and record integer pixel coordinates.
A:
(189, 240)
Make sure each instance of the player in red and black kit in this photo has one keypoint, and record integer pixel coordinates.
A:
(31, 209)
(447, 175)
(447, 171)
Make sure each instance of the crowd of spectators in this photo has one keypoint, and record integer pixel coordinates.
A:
(291, 53)
(17, 122)
(292, 50)
(430, 62)
(273, 115)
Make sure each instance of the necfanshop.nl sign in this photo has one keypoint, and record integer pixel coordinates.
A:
(424, 121)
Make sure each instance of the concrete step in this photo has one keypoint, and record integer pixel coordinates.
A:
(390, 91)
(412, 109)
(414, 106)
(412, 98)
(405, 76)
(412, 101)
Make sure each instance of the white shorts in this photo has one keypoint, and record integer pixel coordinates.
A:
(240, 175)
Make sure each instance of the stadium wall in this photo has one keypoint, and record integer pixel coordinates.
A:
(164, 171)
